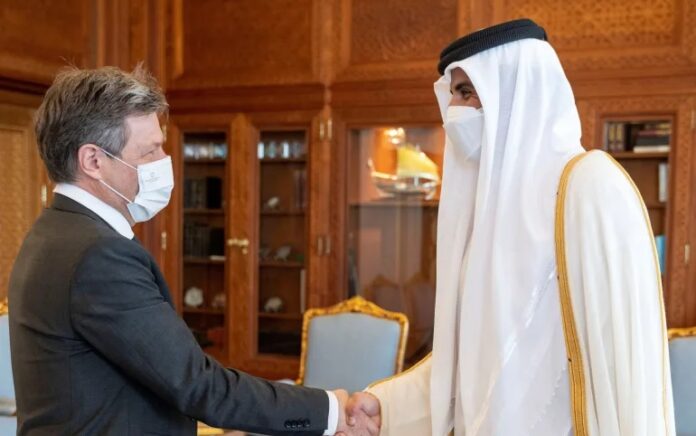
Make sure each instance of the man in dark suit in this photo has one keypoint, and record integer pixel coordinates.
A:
(97, 347)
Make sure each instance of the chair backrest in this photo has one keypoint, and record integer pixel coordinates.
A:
(682, 355)
(6, 384)
(351, 345)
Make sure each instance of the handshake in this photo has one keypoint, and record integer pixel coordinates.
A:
(360, 414)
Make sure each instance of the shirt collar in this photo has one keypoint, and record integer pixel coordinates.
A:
(112, 217)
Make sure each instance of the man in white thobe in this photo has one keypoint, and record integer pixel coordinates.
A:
(549, 318)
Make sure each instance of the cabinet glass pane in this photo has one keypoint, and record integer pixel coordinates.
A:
(282, 242)
(203, 269)
(393, 190)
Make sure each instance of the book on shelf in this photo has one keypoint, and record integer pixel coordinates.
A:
(620, 136)
(203, 193)
(203, 241)
(654, 140)
(300, 191)
(303, 290)
(614, 141)
(664, 148)
(660, 246)
(662, 181)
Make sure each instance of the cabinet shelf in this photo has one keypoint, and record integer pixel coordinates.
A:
(280, 264)
(217, 161)
(190, 260)
(282, 213)
(634, 155)
(297, 160)
(204, 211)
(396, 204)
(281, 316)
(204, 311)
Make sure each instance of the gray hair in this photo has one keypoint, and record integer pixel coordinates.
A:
(90, 107)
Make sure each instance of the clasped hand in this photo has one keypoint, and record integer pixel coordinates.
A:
(360, 414)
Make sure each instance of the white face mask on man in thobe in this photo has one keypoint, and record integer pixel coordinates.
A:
(464, 129)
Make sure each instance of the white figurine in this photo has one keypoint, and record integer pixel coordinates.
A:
(272, 203)
(283, 253)
(273, 305)
(193, 297)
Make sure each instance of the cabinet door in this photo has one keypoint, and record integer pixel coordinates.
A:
(273, 247)
(389, 175)
(197, 265)
(23, 181)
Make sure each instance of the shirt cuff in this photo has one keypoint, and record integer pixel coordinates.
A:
(333, 414)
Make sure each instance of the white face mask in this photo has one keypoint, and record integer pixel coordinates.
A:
(464, 128)
(155, 184)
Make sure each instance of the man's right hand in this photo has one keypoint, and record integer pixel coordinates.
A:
(360, 414)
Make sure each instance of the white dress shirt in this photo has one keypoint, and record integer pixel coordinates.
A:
(119, 223)
(112, 217)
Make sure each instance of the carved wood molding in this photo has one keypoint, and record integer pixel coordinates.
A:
(641, 37)
(272, 41)
(37, 40)
(247, 99)
(394, 39)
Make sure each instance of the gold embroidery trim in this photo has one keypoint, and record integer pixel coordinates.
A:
(575, 366)
(684, 332)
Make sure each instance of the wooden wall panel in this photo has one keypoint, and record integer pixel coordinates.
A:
(244, 42)
(39, 37)
(20, 177)
(129, 32)
(390, 39)
(621, 38)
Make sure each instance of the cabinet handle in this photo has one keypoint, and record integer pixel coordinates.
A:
(329, 129)
(320, 246)
(687, 253)
(163, 240)
(321, 130)
(328, 245)
(242, 244)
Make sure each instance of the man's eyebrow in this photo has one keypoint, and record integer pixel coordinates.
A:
(152, 147)
(466, 83)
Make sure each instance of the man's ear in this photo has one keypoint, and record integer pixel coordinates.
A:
(90, 160)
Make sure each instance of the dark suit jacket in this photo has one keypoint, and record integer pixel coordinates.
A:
(97, 348)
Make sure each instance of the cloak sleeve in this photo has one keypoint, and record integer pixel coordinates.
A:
(405, 401)
(611, 298)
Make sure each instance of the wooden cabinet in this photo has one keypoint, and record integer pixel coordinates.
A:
(248, 233)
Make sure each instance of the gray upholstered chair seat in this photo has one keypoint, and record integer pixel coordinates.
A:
(8, 422)
(682, 354)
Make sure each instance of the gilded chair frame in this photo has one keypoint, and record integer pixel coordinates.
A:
(683, 332)
(354, 305)
(4, 307)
